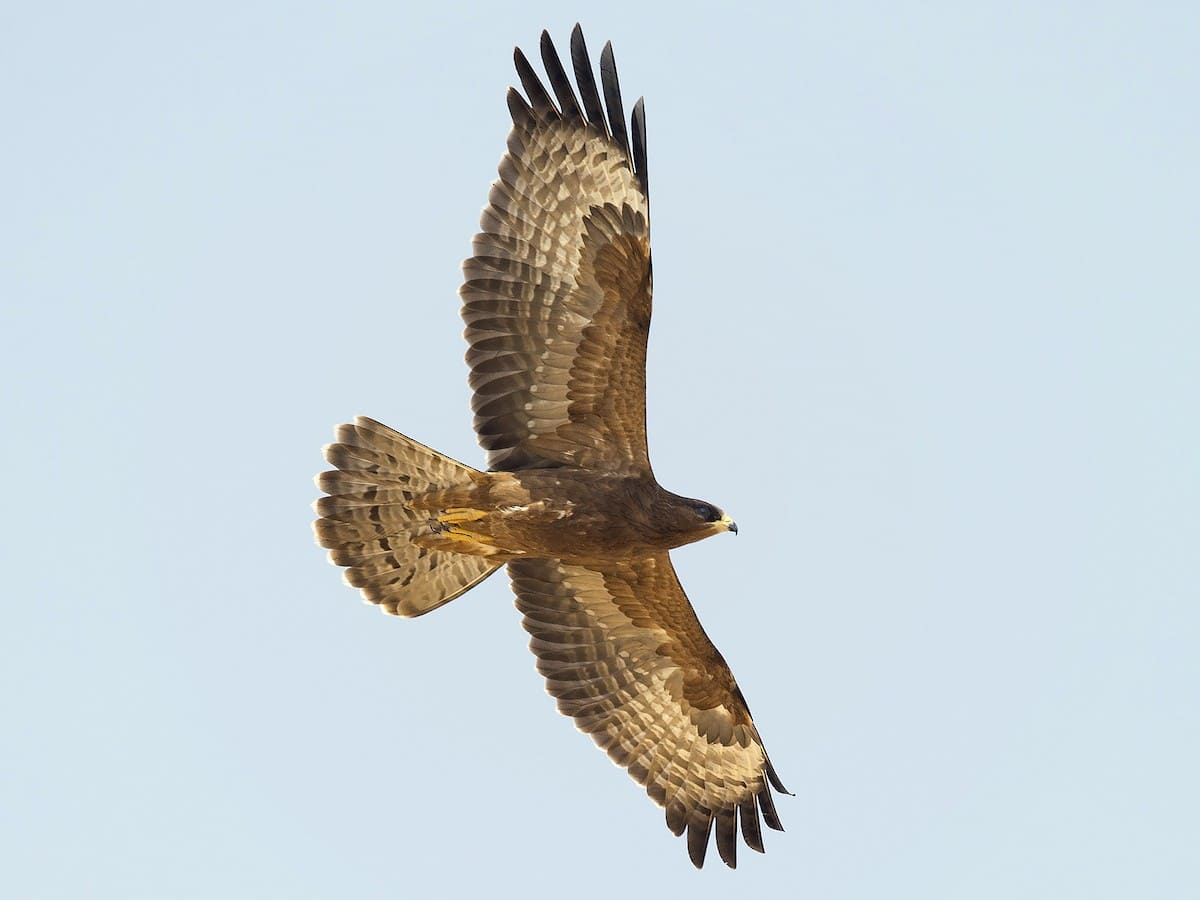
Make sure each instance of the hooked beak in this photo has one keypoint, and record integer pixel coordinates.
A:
(728, 523)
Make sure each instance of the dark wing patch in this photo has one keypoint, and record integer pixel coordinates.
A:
(587, 82)
(625, 656)
(557, 295)
(560, 82)
(612, 98)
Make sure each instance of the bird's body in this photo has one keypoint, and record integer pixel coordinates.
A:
(576, 515)
(557, 303)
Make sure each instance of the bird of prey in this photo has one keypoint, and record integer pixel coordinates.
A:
(556, 300)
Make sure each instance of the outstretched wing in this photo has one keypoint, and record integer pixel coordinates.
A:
(557, 295)
(626, 657)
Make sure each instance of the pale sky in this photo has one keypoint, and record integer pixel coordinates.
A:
(927, 317)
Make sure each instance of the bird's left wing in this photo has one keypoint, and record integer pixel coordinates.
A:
(556, 297)
(625, 656)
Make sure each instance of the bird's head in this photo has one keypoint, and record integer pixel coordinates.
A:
(711, 519)
(687, 520)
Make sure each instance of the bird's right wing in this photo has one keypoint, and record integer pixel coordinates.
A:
(626, 657)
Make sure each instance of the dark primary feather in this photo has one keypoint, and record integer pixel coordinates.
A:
(726, 824)
(587, 81)
(639, 146)
(697, 839)
(534, 89)
(766, 803)
(559, 81)
(751, 833)
(518, 108)
(612, 97)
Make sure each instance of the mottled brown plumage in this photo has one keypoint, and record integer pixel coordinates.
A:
(557, 302)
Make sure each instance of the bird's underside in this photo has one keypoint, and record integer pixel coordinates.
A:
(579, 516)
(557, 301)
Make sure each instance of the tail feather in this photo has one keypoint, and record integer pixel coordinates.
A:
(368, 522)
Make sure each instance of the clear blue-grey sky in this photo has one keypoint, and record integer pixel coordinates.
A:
(927, 324)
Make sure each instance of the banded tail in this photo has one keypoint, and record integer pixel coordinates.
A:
(369, 525)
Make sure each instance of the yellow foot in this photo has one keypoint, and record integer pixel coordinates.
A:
(457, 514)
(466, 536)
(447, 525)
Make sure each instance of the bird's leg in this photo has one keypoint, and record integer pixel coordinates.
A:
(458, 514)
(448, 525)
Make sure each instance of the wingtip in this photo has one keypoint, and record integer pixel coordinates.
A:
(775, 780)
(698, 833)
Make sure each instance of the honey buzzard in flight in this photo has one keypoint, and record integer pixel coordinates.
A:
(556, 301)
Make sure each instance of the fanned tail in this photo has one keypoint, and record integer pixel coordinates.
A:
(369, 526)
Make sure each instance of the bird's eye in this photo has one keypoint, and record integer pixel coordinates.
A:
(707, 512)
